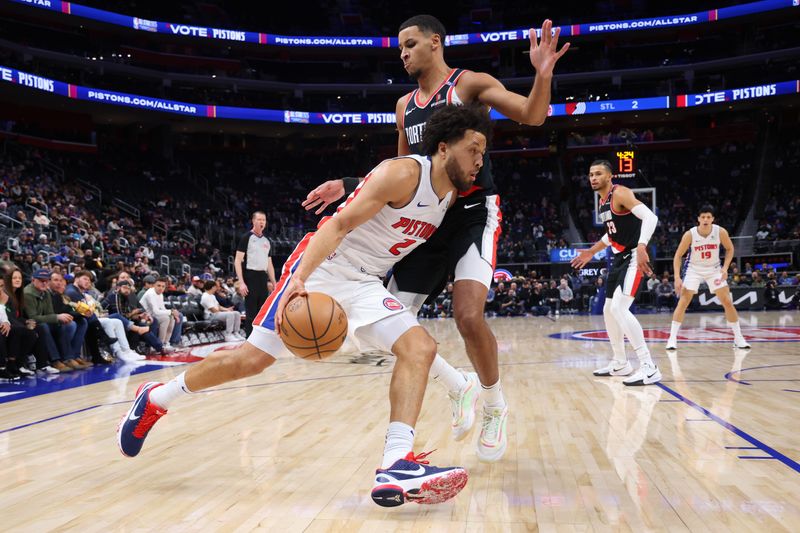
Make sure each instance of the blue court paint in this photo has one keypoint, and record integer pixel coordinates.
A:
(729, 375)
(790, 390)
(59, 416)
(740, 448)
(693, 380)
(791, 463)
(699, 420)
(669, 400)
(39, 385)
(323, 378)
(754, 457)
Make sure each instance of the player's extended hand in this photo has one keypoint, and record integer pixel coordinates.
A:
(294, 288)
(584, 257)
(545, 53)
(643, 260)
(325, 194)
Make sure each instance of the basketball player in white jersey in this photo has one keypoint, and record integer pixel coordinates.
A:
(465, 246)
(396, 208)
(703, 243)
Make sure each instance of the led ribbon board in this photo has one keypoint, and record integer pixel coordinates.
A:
(78, 92)
(205, 32)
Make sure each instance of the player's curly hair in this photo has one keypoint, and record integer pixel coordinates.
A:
(427, 24)
(450, 123)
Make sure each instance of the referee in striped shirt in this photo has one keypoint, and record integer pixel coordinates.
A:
(253, 265)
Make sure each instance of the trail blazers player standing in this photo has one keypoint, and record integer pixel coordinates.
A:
(465, 244)
(629, 225)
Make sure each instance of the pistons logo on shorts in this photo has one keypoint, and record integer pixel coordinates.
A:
(717, 282)
(391, 304)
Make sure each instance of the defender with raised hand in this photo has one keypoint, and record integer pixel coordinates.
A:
(466, 243)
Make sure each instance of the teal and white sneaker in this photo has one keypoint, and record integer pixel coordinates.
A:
(462, 404)
(493, 440)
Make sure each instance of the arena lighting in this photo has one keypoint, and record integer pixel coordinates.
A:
(78, 92)
(185, 30)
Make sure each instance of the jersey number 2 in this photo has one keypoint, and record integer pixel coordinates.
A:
(395, 250)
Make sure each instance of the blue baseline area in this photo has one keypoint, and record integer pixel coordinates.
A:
(39, 385)
(59, 382)
(235, 387)
(772, 452)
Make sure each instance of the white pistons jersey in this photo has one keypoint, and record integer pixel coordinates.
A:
(704, 251)
(391, 234)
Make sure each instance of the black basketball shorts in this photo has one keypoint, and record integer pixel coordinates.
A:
(464, 245)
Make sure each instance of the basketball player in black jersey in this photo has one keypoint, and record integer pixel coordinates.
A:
(465, 244)
(629, 225)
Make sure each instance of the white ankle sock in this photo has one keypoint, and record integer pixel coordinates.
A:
(644, 355)
(399, 441)
(493, 395)
(673, 330)
(450, 378)
(164, 395)
(737, 331)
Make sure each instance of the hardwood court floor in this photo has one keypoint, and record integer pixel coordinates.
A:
(295, 449)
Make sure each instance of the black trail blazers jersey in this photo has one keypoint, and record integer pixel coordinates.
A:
(623, 228)
(416, 114)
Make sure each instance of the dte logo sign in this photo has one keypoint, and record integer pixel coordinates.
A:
(709, 98)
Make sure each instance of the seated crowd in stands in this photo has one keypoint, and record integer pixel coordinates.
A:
(55, 323)
(780, 216)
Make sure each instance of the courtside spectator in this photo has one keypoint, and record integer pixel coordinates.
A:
(565, 295)
(665, 294)
(122, 304)
(170, 322)
(62, 335)
(214, 311)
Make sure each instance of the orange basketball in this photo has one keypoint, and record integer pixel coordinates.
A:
(313, 326)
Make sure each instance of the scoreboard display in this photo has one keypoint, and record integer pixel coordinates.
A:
(626, 164)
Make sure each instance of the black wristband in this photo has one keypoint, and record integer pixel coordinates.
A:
(350, 184)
